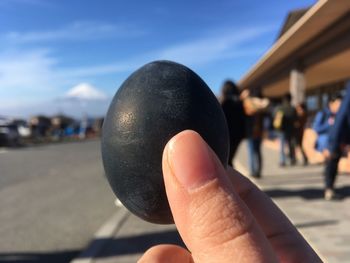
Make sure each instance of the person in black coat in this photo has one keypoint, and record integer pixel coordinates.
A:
(287, 129)
(235, 116)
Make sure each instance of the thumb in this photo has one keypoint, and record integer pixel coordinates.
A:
(213, 221)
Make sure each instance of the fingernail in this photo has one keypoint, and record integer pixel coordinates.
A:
(190, 160)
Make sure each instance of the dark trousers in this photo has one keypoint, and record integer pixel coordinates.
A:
(331, 170)
(299, 143)
(288, 139)
(234, 143)
(255, 159)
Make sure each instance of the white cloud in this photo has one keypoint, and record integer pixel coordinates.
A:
(74, 108)
(23, 71)
(80, 100)
(37, 70)
(85, 91)
(77, 31)
(221, 45)
(118, 67)
(32, 75)
(226, 44)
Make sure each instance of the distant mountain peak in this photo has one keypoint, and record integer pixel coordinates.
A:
(85, 91)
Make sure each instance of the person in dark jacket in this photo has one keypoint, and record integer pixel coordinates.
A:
(254, 132)
(339, 136)
(287, 129)
(232, 107)
(300, 127)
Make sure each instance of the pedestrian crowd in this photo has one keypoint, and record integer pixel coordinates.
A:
(250, 116)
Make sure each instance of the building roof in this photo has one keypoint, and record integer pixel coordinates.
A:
(323, 15)
(291, 19)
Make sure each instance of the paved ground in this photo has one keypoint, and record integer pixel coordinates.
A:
(52, 200)
(296, 190)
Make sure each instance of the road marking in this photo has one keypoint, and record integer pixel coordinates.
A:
(240, 168)
(3, 151)
(103, 236)
(118, 203)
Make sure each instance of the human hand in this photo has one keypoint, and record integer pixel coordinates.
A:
(244, 94)
(221, 215)
(331, 120)
(326, 154)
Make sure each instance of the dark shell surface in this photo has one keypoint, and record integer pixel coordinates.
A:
(155, 103)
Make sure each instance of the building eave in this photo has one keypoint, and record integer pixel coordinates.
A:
(318, 18)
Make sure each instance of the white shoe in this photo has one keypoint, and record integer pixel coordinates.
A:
(330, 195)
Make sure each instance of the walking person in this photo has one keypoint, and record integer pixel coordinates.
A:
(232, 107)
(324, 121)
(300, 127)
(254, 138)
(284, 121)
(254, 106)
(339, 137)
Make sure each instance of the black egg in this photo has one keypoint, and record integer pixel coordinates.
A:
(155, 103)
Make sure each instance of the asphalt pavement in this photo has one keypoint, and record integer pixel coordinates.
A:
(53, 198)
(296, 190)
(56, 206)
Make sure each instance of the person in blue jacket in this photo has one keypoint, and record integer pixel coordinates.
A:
(324, 121)
(339, 136)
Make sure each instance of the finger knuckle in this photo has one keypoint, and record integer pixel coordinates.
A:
(218, 217)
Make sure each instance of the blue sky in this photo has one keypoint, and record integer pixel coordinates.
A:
(49, 47)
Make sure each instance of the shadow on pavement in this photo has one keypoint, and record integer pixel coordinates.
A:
(317, 223)
(290, 180)
(137, 244)
(39, 257)
(306, 193)
(286, 174)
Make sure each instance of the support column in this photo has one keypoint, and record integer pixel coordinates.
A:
(320, 99)
(297, 86)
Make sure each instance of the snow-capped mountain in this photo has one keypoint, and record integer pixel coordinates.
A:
(83, 99)
(85, 91)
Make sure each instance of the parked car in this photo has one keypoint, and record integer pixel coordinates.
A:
(9, 135)
(23, 128)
